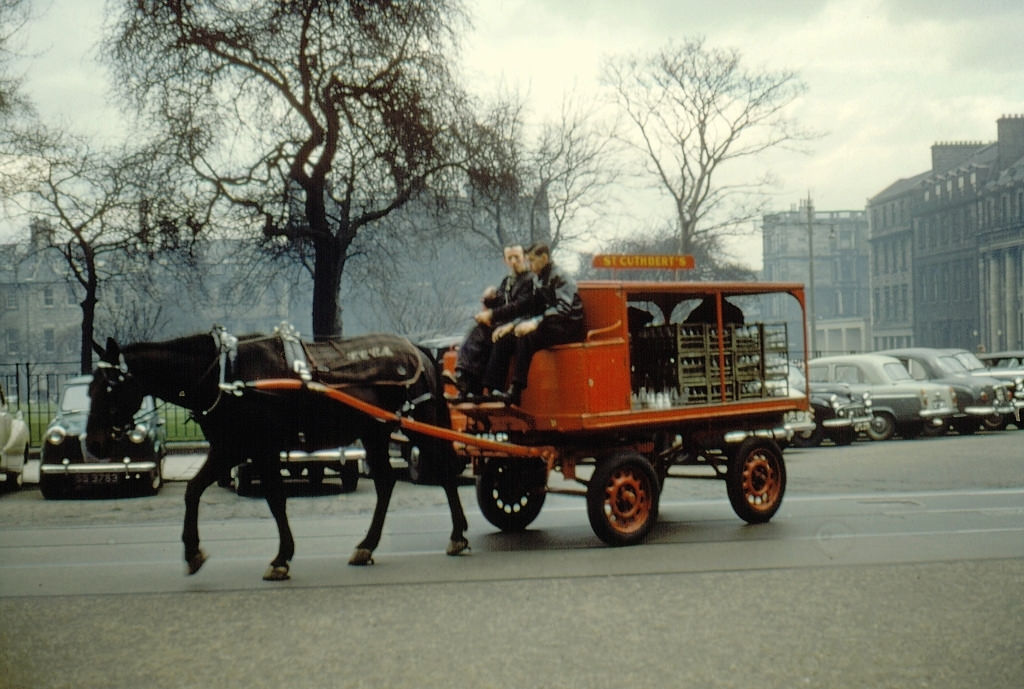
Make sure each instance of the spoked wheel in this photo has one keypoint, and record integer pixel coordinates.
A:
(882, 427)
(622, 499)
(511, 492)
(756, 480)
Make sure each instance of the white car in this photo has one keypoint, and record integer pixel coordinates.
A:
(13, 445)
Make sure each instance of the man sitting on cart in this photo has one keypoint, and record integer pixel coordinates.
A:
(556, 318)
(510, 300)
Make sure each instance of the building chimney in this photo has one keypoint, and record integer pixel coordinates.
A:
(948, 154)
(1010, 132)
(41, 234)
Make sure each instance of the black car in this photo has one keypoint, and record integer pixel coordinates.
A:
(66, 465)
(838, 414)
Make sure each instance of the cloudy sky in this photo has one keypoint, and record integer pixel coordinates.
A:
(886, 78)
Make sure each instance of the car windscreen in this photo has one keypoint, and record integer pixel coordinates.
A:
(76, 398)
(970, 362)
(951, 364)
(896, 372)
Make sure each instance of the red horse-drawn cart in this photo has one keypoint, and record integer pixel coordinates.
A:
(645, 397)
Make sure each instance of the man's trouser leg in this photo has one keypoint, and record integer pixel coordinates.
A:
(472, 358)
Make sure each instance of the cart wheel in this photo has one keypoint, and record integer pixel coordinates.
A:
(622, 499)
(756, 480)
(511, 492)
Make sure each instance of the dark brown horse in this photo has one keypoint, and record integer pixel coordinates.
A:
(200, 373)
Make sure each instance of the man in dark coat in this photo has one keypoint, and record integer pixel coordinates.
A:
(556, 318)
(510, 300)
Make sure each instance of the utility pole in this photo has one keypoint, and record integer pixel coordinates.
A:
(810, 278)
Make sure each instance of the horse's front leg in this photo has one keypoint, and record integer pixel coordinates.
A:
(383, 484)
(207, 474)
(273, 489)
(457, 542)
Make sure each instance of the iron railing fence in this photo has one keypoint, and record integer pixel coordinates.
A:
(34, 390)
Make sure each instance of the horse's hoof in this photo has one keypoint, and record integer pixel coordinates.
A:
(276, 573)
(361, 557)
(457, 547)
(195, 562)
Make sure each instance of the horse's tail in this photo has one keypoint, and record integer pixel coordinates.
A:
(442, 462)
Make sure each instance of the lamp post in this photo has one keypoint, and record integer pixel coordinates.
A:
(810, 274)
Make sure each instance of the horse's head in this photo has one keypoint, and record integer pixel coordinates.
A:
(115, 397)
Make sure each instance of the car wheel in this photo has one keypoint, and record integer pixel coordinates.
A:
(315, 475)
(809, 438)
(966, 426)
(157, 478)
(52, 487)
(349, 473)
(995, 422)
(243, 480)
(843, 436)
(882, 426)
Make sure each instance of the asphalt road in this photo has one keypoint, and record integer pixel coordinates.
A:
(897, 564)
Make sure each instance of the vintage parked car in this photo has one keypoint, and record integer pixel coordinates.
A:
(837, 413)
(1009, 360)
(65, 464)
(13, 446)
(1012, 378)
(899, 403)
(977, 397)
(346, 462)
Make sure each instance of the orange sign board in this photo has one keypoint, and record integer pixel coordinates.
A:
(644, 261)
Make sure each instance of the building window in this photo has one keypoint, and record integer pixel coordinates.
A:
(11, 341)
(49, 341)
(48, 296)
(12, 300)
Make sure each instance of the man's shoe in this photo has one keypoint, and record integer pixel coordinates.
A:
(510, 397)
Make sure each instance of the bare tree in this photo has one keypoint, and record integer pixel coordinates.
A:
(696, 111)
(14, 14)
(90, 200)
(574, 170)
(342, 109)
(536, 188)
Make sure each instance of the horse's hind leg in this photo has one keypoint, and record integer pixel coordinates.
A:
(273, 489)
(383, 484)
(207, 474)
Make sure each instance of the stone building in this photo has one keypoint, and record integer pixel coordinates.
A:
(838, 302)
(947, 248)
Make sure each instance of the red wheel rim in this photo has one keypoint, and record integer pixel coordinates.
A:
(627, 501)
(761, 484)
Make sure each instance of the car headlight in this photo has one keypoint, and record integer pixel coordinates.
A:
(137, 435)
(833, 400)
(56, 435)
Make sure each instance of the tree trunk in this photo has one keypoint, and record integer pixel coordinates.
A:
(88, 323)
(329, 264)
